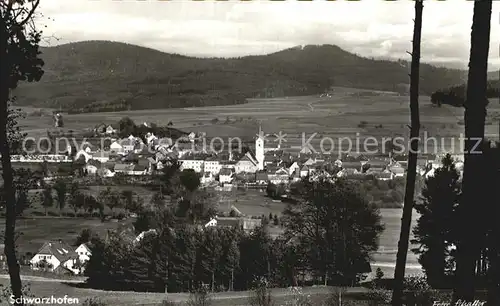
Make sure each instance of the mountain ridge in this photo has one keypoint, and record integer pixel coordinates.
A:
(94, 76)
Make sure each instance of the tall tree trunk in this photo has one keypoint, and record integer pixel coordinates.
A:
(468, 250)
(9, 192)
(399, 273)
(493, 252)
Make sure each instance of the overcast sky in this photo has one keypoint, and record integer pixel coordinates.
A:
(372, 28)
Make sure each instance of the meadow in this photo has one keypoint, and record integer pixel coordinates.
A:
(353, 113)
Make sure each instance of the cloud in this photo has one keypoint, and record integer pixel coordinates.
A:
(369, 27)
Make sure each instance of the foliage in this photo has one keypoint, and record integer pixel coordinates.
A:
(261, 293)
(159, 80)
(85, 236)
(275, 191)
(6, 294)
(47, 198)
(418, 292)
(336, 298)
(455, 95)
(436, 229)
(190, 180)
(15, 137)
(110, 198)
(200, 297)
(377, 296)
(61, 189)
(299, 298)
(379, 274)
(335, 228)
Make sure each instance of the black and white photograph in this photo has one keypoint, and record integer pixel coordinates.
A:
(250, 153)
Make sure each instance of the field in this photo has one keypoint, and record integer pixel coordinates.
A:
(36, 231)
(344, 114)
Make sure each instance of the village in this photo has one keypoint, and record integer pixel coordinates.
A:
(257, 167)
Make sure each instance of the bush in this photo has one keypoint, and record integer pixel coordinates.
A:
(299, 298)
(378, 296)
(200, 297)
(261, 294)
(418, 292)
(336, 298)
(6, 294)
(168, 303)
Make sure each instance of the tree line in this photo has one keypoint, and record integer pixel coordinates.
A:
(456, 95)
(329, 236)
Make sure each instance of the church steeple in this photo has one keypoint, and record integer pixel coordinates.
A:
(259, 148)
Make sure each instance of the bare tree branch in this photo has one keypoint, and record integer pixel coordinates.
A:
(30, 13)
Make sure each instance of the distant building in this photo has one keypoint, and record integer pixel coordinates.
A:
(247, 164)
(195, 164)
(56, 256)
(259, 151)
(247, 224)
(226, 175)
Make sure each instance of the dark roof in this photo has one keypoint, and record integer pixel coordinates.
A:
(93, 162)
(123, 167)
(383, 175)
(351, 165)
(378, 163)
(62, 251)
(140, 168)
(225, 171)
(261, 176)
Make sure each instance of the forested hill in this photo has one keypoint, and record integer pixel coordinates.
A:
(106, 76)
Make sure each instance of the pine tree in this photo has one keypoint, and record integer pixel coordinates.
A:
(436, 229)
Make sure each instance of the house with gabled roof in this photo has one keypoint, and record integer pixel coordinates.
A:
(226, 175)
(261, 178)
(295, 166)
(83, 252)
(55, 255)
(278, 176)
(92, 166)
(123, 168)
(304, 171)
(139, 170)
(247, 164)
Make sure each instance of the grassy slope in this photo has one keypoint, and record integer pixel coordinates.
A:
(79, 74)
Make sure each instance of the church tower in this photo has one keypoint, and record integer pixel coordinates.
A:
(259, 149)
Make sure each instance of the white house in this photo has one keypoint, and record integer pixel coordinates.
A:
(116, 147)
(143, 234)
(83, 153)
(247, 164)
(226, 175)
(101, 156)
(279, 176)
(212, 165)
(110, 130)
(92, 166)
(55, 256)
(192, 164)
(212, 222)
(151, 138)
(83, 252)
(207, 178)
(304, 171)
(293, 167)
